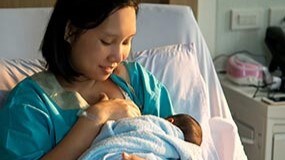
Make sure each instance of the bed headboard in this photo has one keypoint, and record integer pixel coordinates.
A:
(22, 29)
(21, 25)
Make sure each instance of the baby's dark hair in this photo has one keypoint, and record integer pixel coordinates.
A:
(189, 126)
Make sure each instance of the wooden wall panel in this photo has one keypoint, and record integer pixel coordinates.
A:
(26, 3)
(155, 1)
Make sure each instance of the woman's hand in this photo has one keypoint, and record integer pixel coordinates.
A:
(85, 130)
(113, 109)
(126, 156)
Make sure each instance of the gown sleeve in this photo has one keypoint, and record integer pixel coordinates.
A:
(152, 95)
(25, 125)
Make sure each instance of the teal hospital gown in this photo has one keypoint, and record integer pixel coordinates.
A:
(38, 112)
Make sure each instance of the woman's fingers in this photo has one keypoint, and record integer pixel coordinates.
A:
(103, 97)
(136, 109)
(114, 109)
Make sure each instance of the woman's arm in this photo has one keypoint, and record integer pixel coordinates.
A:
(80, 137)
(76, 141)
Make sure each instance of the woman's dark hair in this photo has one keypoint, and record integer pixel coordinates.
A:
(82, 15)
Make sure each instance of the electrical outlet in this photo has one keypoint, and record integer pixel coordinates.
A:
(245, 19)
(276, 15)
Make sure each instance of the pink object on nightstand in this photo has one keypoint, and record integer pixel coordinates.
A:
(242, 69)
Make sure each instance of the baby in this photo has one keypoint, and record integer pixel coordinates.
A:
(149, 137)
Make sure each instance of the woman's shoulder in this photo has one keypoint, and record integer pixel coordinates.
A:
(128, 70)
(24, 91)
(27, 85)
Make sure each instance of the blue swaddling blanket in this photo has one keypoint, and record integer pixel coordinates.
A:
(149, 137)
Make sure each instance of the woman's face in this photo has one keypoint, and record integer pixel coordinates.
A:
(98, 51)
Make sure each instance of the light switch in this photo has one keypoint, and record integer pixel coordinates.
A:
(245, 19)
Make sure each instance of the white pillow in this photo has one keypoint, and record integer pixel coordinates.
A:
(177, 67)
(13, 71)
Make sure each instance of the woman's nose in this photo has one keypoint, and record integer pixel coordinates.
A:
(116, 54)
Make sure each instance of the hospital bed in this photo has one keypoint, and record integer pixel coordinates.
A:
(168, 43)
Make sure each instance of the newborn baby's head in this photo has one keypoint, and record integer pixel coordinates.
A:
(189, 126)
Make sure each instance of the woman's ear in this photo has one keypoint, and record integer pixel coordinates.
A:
(170, 119)
(68, 32)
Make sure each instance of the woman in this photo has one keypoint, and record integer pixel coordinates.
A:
(85, 46)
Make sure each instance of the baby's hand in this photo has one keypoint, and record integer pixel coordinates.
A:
(126, 156)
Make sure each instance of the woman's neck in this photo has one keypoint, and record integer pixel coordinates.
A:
(78, 84)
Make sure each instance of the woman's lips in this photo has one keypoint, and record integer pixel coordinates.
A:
(107, 69)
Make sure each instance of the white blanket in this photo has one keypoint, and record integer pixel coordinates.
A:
(147, 136)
